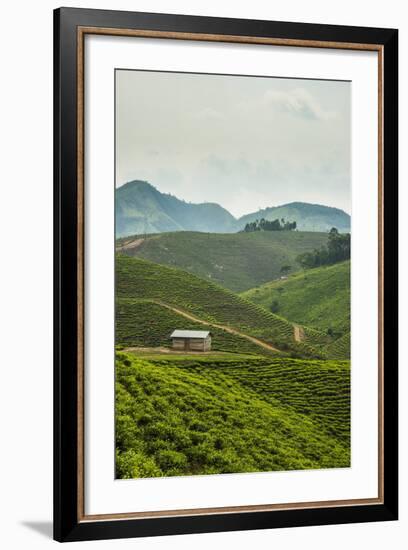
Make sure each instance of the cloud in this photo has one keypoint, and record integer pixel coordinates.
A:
(208, 113)
(297, 102)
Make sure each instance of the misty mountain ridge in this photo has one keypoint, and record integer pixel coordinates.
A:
(141, 208)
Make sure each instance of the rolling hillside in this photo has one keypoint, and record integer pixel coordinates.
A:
(318, 298)
(155, 284)
(189, 417)
(236, 261)
(141, 208)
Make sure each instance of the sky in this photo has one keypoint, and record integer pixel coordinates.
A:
(243, 142)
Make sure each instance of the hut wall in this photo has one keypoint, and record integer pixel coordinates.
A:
(207, 343)
(196, 344)
(178, 343)
(193, 344)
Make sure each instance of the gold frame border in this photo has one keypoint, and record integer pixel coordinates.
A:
(81, 32)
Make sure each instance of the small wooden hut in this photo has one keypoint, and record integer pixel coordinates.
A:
(191, 340)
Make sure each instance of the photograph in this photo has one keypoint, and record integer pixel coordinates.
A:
(233, 219)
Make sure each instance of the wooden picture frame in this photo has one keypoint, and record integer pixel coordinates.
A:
(70, 28)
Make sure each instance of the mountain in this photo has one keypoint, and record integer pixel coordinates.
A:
(141, 209)
(308, 217)
(318, 298)
(237, 261)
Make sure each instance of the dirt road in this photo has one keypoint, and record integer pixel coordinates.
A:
(130, 245)
(298, 333)
(216, 325)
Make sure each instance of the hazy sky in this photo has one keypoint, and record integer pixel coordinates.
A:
(243, 142)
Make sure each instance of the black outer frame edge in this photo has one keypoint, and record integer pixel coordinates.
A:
(390, 262)
(57, 509)
(56, 261)
(227, 522)
(65, 281)
(66, 525)
(222, 25)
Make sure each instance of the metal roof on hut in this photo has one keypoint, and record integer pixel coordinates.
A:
(190, 334)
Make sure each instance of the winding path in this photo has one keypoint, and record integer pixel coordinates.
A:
(298, 333)
(130, 245)
(216, 325)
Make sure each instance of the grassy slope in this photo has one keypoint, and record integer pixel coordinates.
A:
(319, 298)
(237, 261)
(138, 279)
(181, 418)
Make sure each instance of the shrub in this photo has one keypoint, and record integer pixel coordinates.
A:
(170, 460)
(131, 464)
(240, 414)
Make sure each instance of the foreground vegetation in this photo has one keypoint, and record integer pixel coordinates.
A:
(194, 415)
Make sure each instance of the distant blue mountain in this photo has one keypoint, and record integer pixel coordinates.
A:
(141, 208)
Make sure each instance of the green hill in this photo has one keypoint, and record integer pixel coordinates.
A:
(236, 261)
(138, 279)
(308, 217)
(318, 298)
(141, 208)
(190, 417)
(340, 348)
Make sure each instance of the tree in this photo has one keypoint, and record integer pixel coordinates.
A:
(336, 250)
(285, 269)
(269, 225)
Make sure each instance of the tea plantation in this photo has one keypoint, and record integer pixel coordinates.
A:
(138, 279)
(190, 415)
(145, 323)
(318, 298)
(340, 349)
(319, 389)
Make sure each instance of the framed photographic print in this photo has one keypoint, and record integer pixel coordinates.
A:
(225, 274)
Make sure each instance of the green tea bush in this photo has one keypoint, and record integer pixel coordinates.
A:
(205, 416)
